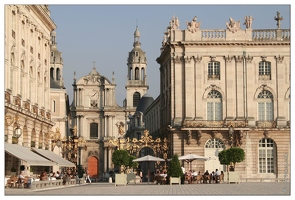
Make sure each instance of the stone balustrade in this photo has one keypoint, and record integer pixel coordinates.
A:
(50, 184)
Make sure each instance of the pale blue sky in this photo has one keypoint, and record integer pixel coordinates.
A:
(104, 34)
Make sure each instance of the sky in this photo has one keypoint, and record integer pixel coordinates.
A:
(104, 34)
(88, 32)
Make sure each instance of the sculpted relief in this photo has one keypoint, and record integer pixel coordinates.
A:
(233, 26)
(193, 26)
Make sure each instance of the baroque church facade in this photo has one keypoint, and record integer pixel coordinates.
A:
(97, 116)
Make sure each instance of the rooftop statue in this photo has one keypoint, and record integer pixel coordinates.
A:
(194, 25)
(248, 21)
(233, 26)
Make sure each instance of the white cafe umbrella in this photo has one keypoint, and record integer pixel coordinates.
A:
(191, 157)
(148, 159)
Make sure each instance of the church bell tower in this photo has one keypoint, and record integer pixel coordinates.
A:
(136, 85)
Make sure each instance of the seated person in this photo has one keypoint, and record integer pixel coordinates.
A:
(206, 177)
(57, 175)
(194, 173)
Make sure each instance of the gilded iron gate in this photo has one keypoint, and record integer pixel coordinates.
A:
(134, 146)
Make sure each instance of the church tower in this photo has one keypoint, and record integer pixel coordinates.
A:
(136, 85)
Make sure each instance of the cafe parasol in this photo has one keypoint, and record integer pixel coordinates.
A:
(191, 157)
(148, 159)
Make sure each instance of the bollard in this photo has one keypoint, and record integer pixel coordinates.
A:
(110, 179)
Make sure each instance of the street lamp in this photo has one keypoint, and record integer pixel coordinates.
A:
(81, 145)
(231, 131)
(17, 132)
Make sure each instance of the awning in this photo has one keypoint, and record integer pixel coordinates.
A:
(54, 157)
(25, 154)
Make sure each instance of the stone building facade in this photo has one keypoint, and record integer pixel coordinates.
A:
(27, 77)
(97, 116)
(227, 88)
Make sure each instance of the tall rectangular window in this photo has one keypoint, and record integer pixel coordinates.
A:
(266, 156)
(53, 106)
(214, 111)
(93, 130)
(264, 71)
(214, 70)
(265, 111)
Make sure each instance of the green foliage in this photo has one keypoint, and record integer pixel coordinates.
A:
(121, 157)
(235, 155)
(232, 155)
(80, 171)
(132, 164)
(174, 169)
(223, 158)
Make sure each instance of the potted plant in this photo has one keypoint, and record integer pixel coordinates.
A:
(121, 158)
(174, 170)
(230, 157)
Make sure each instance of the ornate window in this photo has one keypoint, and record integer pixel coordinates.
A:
(136, 98)
(265, 106)
(93, 130)
(264, 70)
(214, 144)
(214, 71)
(214, 105)
(266, 156)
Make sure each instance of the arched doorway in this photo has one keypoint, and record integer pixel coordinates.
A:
(212, 148)
(145, 166)
(93, 168)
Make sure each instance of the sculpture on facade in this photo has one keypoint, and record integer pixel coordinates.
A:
(233, 26)
(193, 26)
(278, 18)
(248, 21)
(120, 126)
(173, 25)
(75, 130)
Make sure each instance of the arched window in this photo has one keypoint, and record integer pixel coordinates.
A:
(136, 98)
(51, 72)
(93, 130)
(214, 105)
(265, 106)
(57, 74)
(266, 156)
(130, 73)
(136, 73)
(214, 143)
(142, 74)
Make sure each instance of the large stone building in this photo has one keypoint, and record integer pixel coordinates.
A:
(96, 115)
(227, 88)
(27, 79)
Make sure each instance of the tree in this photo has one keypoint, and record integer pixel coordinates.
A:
(121, 157)
(232, 155)
(132, 164)
(174, 169)
(235, 155)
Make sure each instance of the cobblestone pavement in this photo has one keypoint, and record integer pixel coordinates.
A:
(142, 189)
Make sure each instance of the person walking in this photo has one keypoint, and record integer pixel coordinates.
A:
(87, 176)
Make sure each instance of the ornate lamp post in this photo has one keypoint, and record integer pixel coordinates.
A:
(231, 131)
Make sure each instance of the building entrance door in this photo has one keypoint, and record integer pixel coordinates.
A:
(93, 167)
(212, 149)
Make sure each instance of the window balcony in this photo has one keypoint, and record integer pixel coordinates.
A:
(213, 76)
